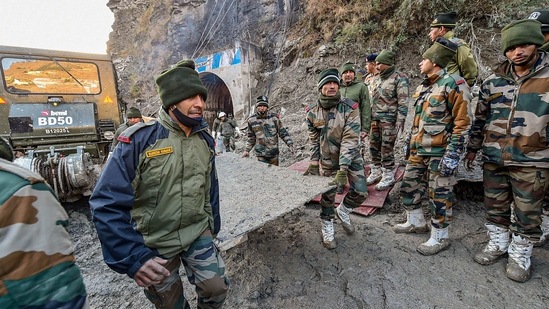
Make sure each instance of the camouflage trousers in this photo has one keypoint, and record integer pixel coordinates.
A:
(422, 172)
(228, 142)
(358, 190)
(382, 142)
(205, 270)
(268, 160)
(526, 187)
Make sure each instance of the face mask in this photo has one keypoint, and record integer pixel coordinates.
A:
(186, 120)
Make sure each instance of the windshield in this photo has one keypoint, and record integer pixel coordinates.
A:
(33, 76)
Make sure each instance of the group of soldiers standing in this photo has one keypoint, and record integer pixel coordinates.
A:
(510, 126)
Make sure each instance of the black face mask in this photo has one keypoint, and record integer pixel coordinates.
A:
(186, 120)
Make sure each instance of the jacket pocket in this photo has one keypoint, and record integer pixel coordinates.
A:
(436, 108)
(434, 135)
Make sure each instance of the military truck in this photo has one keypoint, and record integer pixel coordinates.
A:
(59, 110)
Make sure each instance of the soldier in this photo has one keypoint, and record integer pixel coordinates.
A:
(389, 110)
(334, 127)
(543, 17)
(354, 89)
(156, 204)
(264, 128)
(37, 263)
(371, 80)
(441, 122)
(463, 63)
(226, 128)
(511, 127)
(134, 116)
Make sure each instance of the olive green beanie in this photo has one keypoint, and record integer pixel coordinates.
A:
(328, 75)
(6, 152)
(386, 57)
(179, 83)
(525, 31)
(347, 66)
(441, 52)
(133, 113)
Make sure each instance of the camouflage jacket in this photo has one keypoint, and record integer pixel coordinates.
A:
(263, 133)
(442, 115)
(512, 116)
(37, 264)
(141, 207)
(334, 134)
(463, 63)
(390, 98)
(372, 81)
(226, 128)
(358, 92)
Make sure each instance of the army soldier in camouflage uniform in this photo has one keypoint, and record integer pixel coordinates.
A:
(264, 128)
(156, 205)
(511, 127)
(226, 128)
(354, 89)
(371, 80)
(37, 264)
(389, 110)
(334, 127)
(134, 116)
(463, 63)
(441, 123)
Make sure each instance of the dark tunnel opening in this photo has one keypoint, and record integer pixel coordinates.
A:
(219, 97)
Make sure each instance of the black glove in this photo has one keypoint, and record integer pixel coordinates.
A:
(448, 164)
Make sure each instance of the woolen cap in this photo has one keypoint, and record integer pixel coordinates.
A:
(445, 19)
(328, 75)
(386, 57)
(262, 101)
(543, 17)
(179, 83)
(133, 113)
(347, 66)
(441, 52)
(525, 31)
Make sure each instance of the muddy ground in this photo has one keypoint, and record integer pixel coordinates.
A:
(283, 265)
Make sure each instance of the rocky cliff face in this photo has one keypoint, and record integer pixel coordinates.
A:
(150, 35)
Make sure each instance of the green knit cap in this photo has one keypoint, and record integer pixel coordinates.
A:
(386, 57)
(441, 52)
(133, 113)
(6, 152)
(328, 75)
(525, 31)
(179, 83)
(347, 66)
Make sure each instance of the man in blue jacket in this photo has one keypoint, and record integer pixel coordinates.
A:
(157, 202)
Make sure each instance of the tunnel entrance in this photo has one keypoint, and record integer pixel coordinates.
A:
(219, 97)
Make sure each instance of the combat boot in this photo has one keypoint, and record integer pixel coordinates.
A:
(415, 223)
(344, 214)
(496, 246)
(437, 242)
(375, 175)
(387, 179)
(544, 229)
(328, 237)
(518, 263)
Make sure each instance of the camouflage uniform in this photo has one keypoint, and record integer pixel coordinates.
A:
(37, 264)
(441, 122)
(389, 106)
(372, 81)
(141, 209)
(464, 63)
(263, 133)
(226, 128)
(358, 92)
(334, 135)
(511, 126)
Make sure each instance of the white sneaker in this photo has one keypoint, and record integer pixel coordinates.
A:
(387, 179)
(375, 175)
(343, 213)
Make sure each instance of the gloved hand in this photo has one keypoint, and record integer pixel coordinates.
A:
(214, 134)
(291, 148)
(340, 179)
(448, 164)
(313, 169)
(469, 159)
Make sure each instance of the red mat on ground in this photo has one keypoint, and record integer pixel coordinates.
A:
(375, 198)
